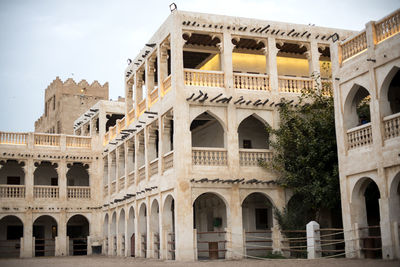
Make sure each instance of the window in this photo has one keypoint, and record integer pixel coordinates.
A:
(14, 180)
(261, 219)
(54, 102)
(54, 181)
(247, 144)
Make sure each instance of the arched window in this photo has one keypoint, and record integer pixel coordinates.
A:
(357, 107)
(207, 131)
(253, 134)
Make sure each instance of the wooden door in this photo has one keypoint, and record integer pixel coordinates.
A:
(133, 245)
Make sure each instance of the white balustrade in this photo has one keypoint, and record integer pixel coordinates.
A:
(392, 126)
(113, 187)
(355, 45)
(46, 139)
(142, 173)
(388, 26)
(13, 138)
(251, 81)
(166, 85)
(359, 136)
(12, 191)
(79, 141)
(153, 167)
(252, 157)
(209, 156)
(168, 160)
(204, 78)
(45, 191)
(131, 178)
(78, 191)
(295, 84)
(121, 184)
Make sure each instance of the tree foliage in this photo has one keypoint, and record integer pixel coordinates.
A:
(305, 154)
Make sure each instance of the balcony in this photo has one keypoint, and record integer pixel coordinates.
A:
(294, 84)
(141, 107)
(46, 139)
(209, 156)
(13, 138)
(79, 141)
(45, 191)
(359, 136)
(252, 157)
(131, 178)
(247, 81)
(168, 160)
(78, 192)
(193, 77)
(121, 183)
(12, 191)
(392, 126)
(142, 173)
(153, 167)
(354, 46)
(153, 96)
(166, 86)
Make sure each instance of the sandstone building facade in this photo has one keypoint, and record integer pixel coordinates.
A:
(65, 101)
(171, 173)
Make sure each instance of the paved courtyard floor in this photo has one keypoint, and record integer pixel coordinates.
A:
(103, 261)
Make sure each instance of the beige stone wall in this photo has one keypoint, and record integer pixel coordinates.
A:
(65, 102)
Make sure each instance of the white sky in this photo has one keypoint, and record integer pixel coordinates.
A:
(92, 39)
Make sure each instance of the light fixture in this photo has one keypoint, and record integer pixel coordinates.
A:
(173, 7)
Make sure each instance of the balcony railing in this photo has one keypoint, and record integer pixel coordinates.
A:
(113, 187)
(252, 157)
(168, 160)
(142, 173)
(194, 77)
(45, 191)
(153, 167)
(166, 85)
(392, 126)
(121, 184)
(78, 192)
(106, 138)
(13, 138)
(113, 132)
(387, 26)
(131, 116)
(251, 81)
(105, 190)
(12, 191)
(131, 178)
(79, 141)
(359, 136)
(153, 96)
(141, 107)
(121, 124)
(354, 46)
(209, 156)
(46, 139)
(294, 84)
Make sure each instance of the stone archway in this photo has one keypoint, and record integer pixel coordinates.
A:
(131, 232)
(11, 232)
(78, 230)
(44, 232)
(142, 230)
(105, 235)
(155, 228)
(121, 233)
(168, 221)
(210, 222)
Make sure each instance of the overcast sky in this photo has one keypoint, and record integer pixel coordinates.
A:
(91, 39)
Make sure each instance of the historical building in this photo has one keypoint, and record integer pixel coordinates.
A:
(65, 101)
(172, 172)
(367, 112)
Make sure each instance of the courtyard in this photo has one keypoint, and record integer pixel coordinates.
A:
(102, 261)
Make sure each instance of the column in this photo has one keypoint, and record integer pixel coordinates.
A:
(272, 68)
(28, 246)
(235, 226)
(386, 230)
(149, 233)
(61, 239)
(313, 55)
(313, 243)
(149, 78)
(182, 153)
(62, 178)
(162, 65)
(29, 169)
(128, 97)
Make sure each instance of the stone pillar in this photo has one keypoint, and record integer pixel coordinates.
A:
(29, 169)
(236, 224)
(386, 230)
(272, 67)
(128, 97)
(163, 64)
(149, 233)
(61, 240)
(62, 178)
(276, 239)
(28, 243)
(313, 59)
(136, 164)
(150, 78)
(182, 153)
(313, 238)
(146, 151)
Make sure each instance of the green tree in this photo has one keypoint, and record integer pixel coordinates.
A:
(305, 156)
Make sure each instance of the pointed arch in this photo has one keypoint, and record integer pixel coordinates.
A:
(389, 95)
(208, 131)
(253, 133)
(356, 107)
